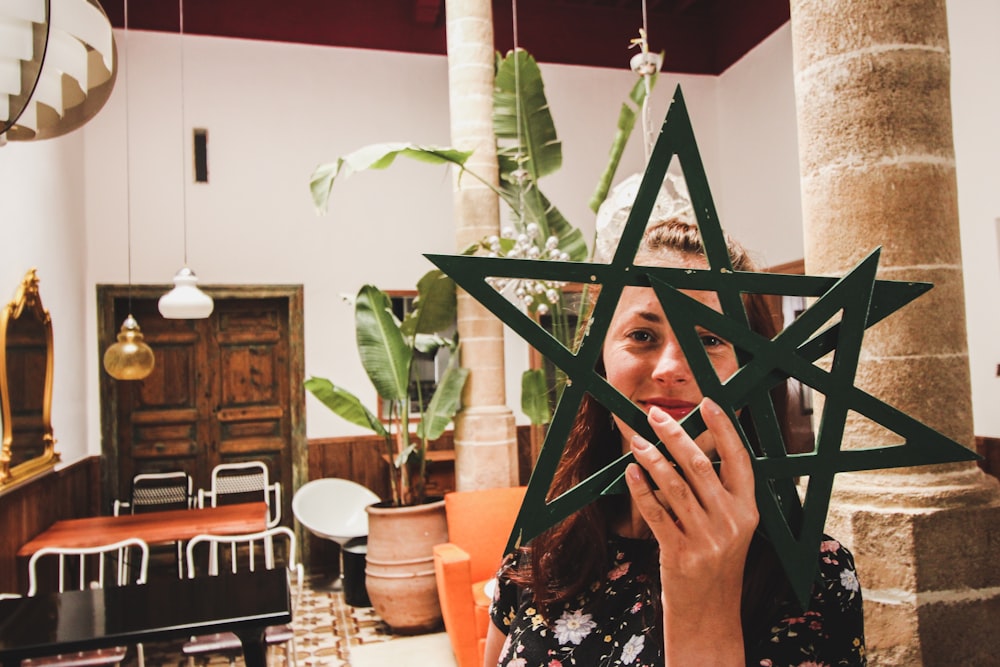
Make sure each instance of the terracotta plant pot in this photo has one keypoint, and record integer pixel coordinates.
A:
(399, 573)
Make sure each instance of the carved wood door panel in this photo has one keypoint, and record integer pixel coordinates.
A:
(249, 381)
(226, 388)
(161, 419)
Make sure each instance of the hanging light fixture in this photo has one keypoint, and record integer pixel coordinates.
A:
(185, 301)
(130, 358)
(57, 66)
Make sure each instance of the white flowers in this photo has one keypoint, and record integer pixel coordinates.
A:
(632, 649)
(849, 580)
(536, 295)
(572, 627)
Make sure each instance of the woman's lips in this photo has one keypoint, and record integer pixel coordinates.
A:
(676, 409)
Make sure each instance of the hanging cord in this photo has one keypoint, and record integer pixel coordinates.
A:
(647, 77)
(128, 160)
(645, 64)
(519, 174)
(180, 13)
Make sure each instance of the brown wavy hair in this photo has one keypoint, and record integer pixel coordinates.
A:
(565, 560)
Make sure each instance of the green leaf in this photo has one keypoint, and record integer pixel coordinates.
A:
(376, 156)
(384, 353)
(344, 404)
(434, 308)
(445, 402)
(534, 396)
(626, 123)
(430, 343)
(526, 130)
(404, 455)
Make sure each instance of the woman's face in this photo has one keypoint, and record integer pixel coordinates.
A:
(644, 361)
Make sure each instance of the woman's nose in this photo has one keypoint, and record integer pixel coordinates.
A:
(672, 365)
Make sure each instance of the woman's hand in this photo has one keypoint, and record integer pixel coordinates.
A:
(703, 523)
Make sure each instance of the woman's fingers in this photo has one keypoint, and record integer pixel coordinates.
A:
(700, 490)
(654, 512)
(737, 471)
(674, 489)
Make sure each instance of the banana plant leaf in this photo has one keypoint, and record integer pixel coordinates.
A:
(445, 402)
(626, 123)
(534, 396)
(344, 404)
(527, 140)
(384, 353)
(376, 156)
(431, 343)
(435, 306)
(524, 130)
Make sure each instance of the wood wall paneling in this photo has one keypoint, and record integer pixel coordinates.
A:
(989, 449)
(28, 509)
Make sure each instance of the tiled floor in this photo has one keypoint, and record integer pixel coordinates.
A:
(325, 630)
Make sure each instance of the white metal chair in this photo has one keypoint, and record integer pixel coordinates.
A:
(245, 553)
(243, 482)
(75, 569)
(159, 491)
(334, 509)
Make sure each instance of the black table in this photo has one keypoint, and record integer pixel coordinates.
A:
(53, 623)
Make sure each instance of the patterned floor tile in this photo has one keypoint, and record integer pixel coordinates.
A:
(325, 629)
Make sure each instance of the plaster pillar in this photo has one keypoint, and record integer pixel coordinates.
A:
(485, 432)
(872, 86)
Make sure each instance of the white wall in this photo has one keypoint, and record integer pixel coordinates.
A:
(975, 59)
(42, 227)
(274, 111)
(762, 203)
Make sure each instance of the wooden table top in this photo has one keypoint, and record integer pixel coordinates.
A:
(153, 527)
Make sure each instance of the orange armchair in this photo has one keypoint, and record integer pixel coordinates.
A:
(479, 523)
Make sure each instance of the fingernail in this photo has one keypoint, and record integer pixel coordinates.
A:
(658, 415)
(632, 470)
(708, 405)
(640, 443)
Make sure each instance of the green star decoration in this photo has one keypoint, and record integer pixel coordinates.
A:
(794, 526)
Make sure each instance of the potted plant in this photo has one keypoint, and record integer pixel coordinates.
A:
(403, 529)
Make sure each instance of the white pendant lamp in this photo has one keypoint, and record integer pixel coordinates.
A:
(185, 301)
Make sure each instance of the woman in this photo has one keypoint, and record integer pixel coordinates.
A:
(676, 575)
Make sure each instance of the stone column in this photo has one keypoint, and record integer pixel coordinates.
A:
(485, 433)
(877, 161)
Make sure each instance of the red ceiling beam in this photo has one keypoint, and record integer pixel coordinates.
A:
(697, 36)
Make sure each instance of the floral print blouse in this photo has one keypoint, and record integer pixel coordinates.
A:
(625, 629)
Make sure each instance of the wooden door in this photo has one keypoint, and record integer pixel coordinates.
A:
(248, 379)
(225, 388)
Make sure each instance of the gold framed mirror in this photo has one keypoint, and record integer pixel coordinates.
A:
(26, 385)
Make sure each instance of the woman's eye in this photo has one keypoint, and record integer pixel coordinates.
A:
(641, 336)
(711, 340)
